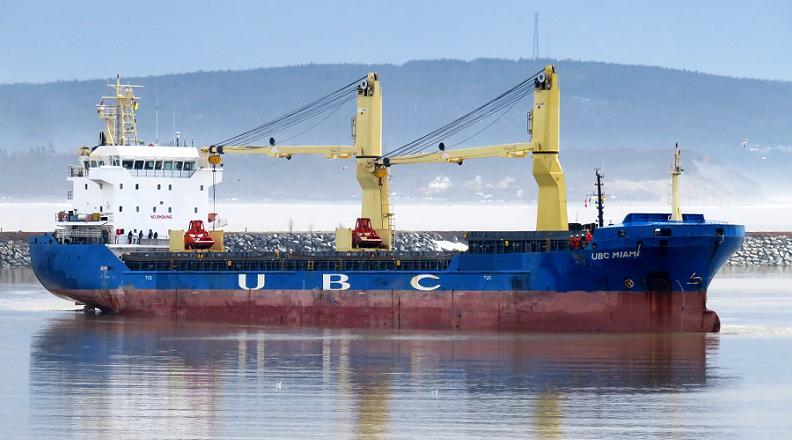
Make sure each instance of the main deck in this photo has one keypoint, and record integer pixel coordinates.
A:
(481, 242)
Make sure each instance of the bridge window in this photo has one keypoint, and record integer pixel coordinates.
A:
(158, 165)
(138, 164)
(167, 165)
(149, 165)
(127, 164)
(188, 166)
(178, 165)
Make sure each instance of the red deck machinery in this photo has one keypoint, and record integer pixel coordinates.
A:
(364, 236)
(197, 237)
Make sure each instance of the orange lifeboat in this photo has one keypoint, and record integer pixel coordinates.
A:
(197, 237)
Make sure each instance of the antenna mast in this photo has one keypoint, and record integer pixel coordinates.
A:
(676, 171)
(120, 118)
(536, 37)
(156, 114)
(600, 198)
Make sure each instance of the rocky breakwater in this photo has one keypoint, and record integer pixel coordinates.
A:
(764, 249)
(14, 249)
(309, 242)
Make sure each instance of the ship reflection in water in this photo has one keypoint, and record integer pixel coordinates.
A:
(95, 377)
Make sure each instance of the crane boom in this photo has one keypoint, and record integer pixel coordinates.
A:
(286, 152)
(517, 150)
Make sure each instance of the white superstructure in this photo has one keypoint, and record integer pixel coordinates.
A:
(123, 187)
(147, 189)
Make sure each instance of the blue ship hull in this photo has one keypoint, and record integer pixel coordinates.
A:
(646, 274)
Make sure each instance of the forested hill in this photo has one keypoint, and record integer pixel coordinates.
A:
(606, 108)
(602, 104)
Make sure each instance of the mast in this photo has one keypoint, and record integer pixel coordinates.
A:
(676, 171)
(600, 199)
(120, 115)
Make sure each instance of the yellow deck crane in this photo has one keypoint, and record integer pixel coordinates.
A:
(372, 166)
(366, 149)
(544, 130)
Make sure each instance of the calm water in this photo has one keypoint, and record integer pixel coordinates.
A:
(69, 375)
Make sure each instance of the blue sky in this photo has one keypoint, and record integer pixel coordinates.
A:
(62, 40)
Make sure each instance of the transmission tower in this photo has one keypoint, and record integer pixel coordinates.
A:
(536, 37)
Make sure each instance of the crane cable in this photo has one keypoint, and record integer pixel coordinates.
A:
(328, 103)
(501, 105)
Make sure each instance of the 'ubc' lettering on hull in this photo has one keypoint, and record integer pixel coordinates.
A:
(335, 281)
(340, 281)
(415, 282)
(243, 282)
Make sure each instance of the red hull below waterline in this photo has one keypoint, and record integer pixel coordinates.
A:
(462, 310)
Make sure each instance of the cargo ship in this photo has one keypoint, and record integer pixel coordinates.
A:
(120, 249)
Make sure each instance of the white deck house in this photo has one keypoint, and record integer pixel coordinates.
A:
(143, 188)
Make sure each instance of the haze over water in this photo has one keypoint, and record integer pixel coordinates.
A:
(70, 375)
